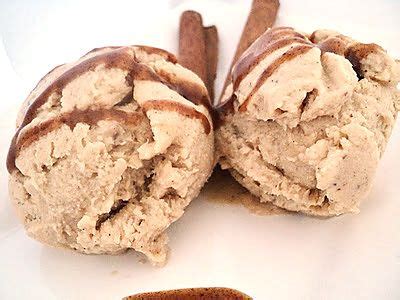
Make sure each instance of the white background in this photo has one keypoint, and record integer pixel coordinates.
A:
(280, 257)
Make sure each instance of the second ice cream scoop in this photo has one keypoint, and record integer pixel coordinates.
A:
(305, 119)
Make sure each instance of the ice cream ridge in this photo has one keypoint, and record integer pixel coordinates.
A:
(109, 151)
(305, 119)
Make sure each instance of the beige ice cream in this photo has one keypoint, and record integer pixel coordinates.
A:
(110, 150)
(305, 120)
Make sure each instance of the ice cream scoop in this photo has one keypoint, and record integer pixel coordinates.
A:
(305, 119)
(110, 150)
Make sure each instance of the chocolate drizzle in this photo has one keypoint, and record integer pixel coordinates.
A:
(189, 90)
(70, 119)
(334, 45)
(118, 57)
(269, 42)
(356, 52)
(100, 49)
(352, 51)
(115, 59)
(153, 50)
(245, 66)
(287, 56)
(167, 105)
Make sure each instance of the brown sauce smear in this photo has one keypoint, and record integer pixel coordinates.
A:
(266, 44)
(334, 45)
(192, 294)
(222, 188)
(101, 48)
(288, 56)
(189, 90)
(70, 119)
(269, 42)
(245, 66)
(262, 16)
(115, 59)
(149, 50)
(355, 53)
(154, 50)
(167, 105)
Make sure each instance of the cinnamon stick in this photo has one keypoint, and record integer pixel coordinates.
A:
(212, 58)
(262, 16)
(198, 48)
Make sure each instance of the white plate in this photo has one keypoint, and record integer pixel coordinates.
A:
(278, 257)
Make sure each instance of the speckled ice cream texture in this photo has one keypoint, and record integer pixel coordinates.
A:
(308, 120)
(117, 159)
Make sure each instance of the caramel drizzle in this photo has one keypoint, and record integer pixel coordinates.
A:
(167, 105)
(101, 48)
(154, 50)
(244, 67)
(187, 89)
(118, 58)
(70, 119)
(287, 56)
(74, 117)
(334, 45)
(150, 50)
(271, 41)
(262, 47)
(357, 52)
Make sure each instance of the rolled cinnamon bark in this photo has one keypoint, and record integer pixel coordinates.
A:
(262, 16)
(212, 58)
(198, 48)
